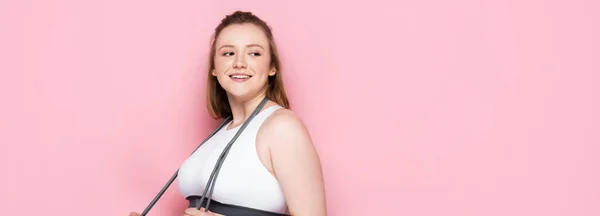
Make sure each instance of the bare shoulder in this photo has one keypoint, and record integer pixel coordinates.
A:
(284, 125)
(295, 163)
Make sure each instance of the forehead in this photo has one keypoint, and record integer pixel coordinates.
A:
(242, 35)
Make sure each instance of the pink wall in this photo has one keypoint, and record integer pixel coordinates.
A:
(417, 107)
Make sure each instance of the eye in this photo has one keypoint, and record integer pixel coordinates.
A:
(255, 54)
(227, 53)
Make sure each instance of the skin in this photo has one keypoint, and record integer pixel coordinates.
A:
(283, 143)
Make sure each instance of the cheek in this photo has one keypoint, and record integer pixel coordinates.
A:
(221, 64)
(262, 65)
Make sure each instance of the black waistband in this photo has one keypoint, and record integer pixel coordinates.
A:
(228, 209)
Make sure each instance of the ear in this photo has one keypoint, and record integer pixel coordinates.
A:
(213, 72)
(272, 71)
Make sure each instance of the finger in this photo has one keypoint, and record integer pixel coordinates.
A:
(194, 211)
(203, 210)
(190, 211)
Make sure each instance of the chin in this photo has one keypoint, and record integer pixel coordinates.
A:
(241, 91)
(238, 93)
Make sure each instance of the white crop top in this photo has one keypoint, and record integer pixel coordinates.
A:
(243, 180)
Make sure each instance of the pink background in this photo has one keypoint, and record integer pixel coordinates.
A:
(416, 107)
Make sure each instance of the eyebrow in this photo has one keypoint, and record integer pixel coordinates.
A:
(249, 45)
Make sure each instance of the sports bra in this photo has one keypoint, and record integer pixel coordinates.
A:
(243, 179)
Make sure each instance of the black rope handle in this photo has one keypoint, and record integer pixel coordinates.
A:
(172, 179)
(213, 176)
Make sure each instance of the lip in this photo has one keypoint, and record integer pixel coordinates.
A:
(242, 74)
(239, 80)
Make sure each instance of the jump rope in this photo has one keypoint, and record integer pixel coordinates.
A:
(210, 185)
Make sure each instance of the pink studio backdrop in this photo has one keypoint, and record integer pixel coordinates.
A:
(416, 107)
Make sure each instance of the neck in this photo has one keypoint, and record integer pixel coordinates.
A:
(241, 109)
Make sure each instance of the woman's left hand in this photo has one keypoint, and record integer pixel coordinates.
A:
(196, 212)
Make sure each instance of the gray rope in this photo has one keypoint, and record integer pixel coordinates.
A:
(172, 179)
(215, 173)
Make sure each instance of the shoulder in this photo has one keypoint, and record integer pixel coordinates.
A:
(288, 142)
(284, 127)
(285, 118)
(295, 163)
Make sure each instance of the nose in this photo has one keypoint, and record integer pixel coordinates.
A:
(239, 62)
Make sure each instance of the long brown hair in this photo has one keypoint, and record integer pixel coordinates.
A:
(216, 97)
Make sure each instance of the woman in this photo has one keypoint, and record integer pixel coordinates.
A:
(272, 168)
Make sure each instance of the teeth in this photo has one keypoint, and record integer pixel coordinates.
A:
(240, 76)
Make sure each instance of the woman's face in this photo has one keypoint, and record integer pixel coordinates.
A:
(242, 60)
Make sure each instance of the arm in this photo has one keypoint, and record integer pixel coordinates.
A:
(296, 163)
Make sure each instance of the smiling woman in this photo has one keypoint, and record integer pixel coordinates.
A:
(272, 168)
(242, 62)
